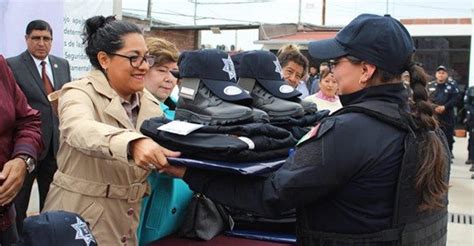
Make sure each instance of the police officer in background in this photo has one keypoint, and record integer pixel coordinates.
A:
(469, 106)
(351, 179)
(444, 95)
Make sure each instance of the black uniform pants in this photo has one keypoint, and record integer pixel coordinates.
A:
(43, 174)
(470, 145)
(448, 130)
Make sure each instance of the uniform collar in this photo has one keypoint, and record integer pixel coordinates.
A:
(394, 93)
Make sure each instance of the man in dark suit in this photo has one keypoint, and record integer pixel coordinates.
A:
(38, 74)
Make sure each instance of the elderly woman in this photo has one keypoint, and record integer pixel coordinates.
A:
(103, 160)
(163, 210)
(326, 97)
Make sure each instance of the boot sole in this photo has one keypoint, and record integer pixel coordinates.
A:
(190, 116)
(285, 115)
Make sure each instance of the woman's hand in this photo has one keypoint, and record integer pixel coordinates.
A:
(149, 155)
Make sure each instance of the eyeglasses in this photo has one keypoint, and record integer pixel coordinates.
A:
(137, 61)
(38, 39)
(351, 59)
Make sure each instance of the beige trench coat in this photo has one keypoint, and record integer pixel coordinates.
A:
(95, 177)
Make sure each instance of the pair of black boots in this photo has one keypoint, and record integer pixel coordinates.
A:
(208, 109)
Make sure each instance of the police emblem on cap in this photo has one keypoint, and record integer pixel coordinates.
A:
(82, 231)
(286, 89)
(278, 68)
(232, 90)
(229, 67)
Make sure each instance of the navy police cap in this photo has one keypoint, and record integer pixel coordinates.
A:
(380, 40)
(55, 228)
(441, 67)
(264, 67)
(216, 70)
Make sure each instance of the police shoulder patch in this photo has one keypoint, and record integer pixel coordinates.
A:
(317, 131)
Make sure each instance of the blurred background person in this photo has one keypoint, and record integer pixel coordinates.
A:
(294, 66)
(163, 210)
(322, 66)
(469, 122)
(104, 161)
(444, 96)
(326, 97)
(313, 77)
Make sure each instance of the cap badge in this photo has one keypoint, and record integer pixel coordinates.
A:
(232, 90)
(82, 231)
(278, 68)
(229, 67)
(286, 89)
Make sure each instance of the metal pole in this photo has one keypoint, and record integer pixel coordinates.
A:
(299, 12)
(195, 10)
(386, 6)
(117, 9)
(323, 15)
(235, 42)
(148, 10)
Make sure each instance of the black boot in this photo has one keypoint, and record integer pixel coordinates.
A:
(472, 168)
(208, 109)
(259, 116)
(469, 162)
(308, 107)
(275, 107)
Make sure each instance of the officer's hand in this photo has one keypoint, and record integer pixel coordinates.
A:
(11, 177)
(440, 109)
(175, 171)
(149, 155)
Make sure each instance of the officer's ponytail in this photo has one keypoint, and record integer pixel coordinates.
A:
(431, 175)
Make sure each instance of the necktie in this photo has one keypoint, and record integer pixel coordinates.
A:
(46, 82)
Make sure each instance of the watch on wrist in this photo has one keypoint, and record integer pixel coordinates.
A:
(29, 162)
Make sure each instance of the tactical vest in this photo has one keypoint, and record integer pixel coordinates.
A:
(409, 227)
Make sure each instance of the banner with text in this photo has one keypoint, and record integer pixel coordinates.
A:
(66, 18)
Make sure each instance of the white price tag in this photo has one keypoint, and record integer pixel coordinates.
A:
(180, 127)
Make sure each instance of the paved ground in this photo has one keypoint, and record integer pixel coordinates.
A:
(461, 199)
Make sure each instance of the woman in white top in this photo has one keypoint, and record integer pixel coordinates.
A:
(326, 97)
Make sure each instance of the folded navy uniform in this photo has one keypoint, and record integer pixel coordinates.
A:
(56, 228)
(300, 126)
(209, 93)
(238, 143)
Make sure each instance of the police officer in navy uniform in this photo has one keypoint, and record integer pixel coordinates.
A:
(469, 106)
(373, 173)
(444, 94)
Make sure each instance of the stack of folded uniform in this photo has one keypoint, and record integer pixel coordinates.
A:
(251, 142)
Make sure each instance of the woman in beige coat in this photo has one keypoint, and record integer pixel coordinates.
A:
(103, 160)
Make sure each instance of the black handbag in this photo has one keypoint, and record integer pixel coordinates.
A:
(205, 219)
